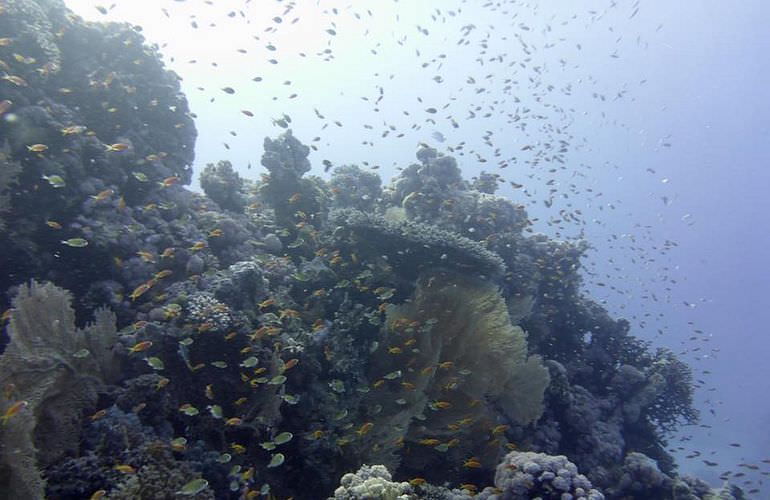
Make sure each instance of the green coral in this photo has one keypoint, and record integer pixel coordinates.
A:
(57, 370)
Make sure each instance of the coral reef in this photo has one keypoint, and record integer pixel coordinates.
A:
(274, 334)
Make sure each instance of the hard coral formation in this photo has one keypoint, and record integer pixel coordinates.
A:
(372, 483)
(354, 187)
(222, 184)
(413, 246)
(523, 475)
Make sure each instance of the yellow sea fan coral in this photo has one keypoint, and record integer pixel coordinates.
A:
(56, 369)
(449, 362)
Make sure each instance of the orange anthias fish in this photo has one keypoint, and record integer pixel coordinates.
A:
(102, 195)
(141, 346)
(13, 410)
(117, 147)
(169, 181)
(141, 289)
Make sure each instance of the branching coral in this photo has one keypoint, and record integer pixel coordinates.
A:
(451, 363)
(56, 369)
(674, 402)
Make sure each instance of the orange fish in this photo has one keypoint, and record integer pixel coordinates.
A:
(102, 195)
(365, 428)
(13, 410)
(165, 273)
(141, 346)
(125, 469)
(117, 147)
(99, 414)
(37, 148)
(146, 256)
(5, 105)
(266, 303)
(198, 245)
(140, 290)
(169, 181)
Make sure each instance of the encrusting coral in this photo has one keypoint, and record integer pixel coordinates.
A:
(56, 369)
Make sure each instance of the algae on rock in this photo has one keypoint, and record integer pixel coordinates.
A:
(57, 369)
